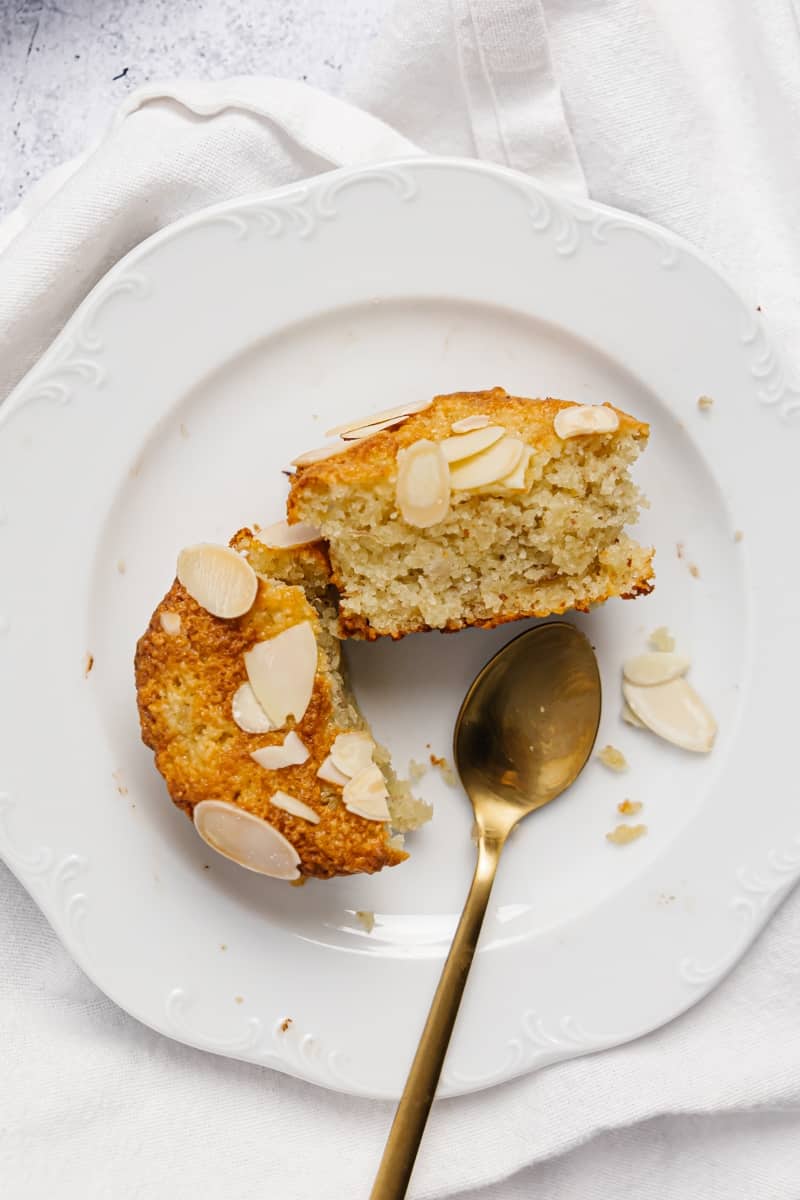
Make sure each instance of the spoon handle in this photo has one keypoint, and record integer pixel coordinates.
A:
(405, 1135)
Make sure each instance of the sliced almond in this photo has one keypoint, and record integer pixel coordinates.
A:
(246, 839)
(248, 713)
(170, 623)
(464, 445)
(319, 454)
(295, 807)
(352, 752)
(291, 753)
(394, 415)
(656, 667)
(488, 467)
(581, 419)
(283, 536)
(423, 484)
(515, 481)
(630, 717)
(366, 431)
(467, 424)
(331, 773)
(281, 671)
(219, 579)
(675, 712)
(366, 794)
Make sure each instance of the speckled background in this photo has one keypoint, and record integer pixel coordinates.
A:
(66, 64)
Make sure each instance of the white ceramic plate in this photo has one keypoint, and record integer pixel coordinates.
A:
(163, 414)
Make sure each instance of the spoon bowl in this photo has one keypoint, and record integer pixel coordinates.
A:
(523, 735)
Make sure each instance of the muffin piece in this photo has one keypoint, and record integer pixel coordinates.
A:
(476, 509)
(199, 688)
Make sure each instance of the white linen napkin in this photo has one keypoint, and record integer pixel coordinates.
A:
(685, 114)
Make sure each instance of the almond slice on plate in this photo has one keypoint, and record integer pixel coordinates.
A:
(283, 536)
(318, 455)
(656, 667)
(170, 623)
(515, 481)
(296, 807)
(675, 712)
(248, 713)
(394, 415)
(582, 419)
(219, 579)
(291, 753)
(423, 484)
(630, 717)
(331, 773)
(366, 795)
(282, 670)
(465, 445)
(246, 839)
(467, 424)
(352, 752)
(487, 467)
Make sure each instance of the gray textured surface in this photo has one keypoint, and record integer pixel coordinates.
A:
(59, 60)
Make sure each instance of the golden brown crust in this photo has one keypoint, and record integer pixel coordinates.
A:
(375, 458)
(185, 684)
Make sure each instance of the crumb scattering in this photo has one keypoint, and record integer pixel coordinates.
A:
(239, 999)
(184, 431)
(613, 758)
(223, 946)
(694, 570)
(738, 535)
(121, 788)
(705, 403)
(629, 808)
(121, 567)
(89, 665)
(286, 1023)
(623, 834)
(301, 882)
(416, 770)
(447, 772)
(679, 548)
(661, 639)
(366, 918)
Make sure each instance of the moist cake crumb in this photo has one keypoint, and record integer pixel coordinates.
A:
(623, 834)
(613, 758)
(629, 808)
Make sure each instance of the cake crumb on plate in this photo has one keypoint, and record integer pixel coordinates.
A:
(366, 918)
(629, 808)
(626, 833)
(613, 758)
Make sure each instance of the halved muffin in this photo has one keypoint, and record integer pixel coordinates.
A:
(243, 699)
(474, 509)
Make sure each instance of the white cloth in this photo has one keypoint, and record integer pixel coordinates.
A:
(685, 113)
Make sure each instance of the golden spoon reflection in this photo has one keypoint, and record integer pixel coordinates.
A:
(523, 735)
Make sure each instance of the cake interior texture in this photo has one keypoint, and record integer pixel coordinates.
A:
(559, 545)
(309, 570)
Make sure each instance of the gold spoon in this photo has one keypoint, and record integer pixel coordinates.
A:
(523, 735)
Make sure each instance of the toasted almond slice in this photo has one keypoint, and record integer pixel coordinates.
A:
(629, 716)
(330, 773)
(352, 752)
(281, 671)
(464, 445)
(467, 424)
(319, 454)
(291, 753)
(366, 795)
(487, 467)
(295, 807)
(581, 419)
(656, 667)
(283, 536)
(675, 712)
(248, 713)
(246, 839)
(515, 481)
(170, 623)
(366, 431)
(423, 484)
(395, 415)
(219, 579)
